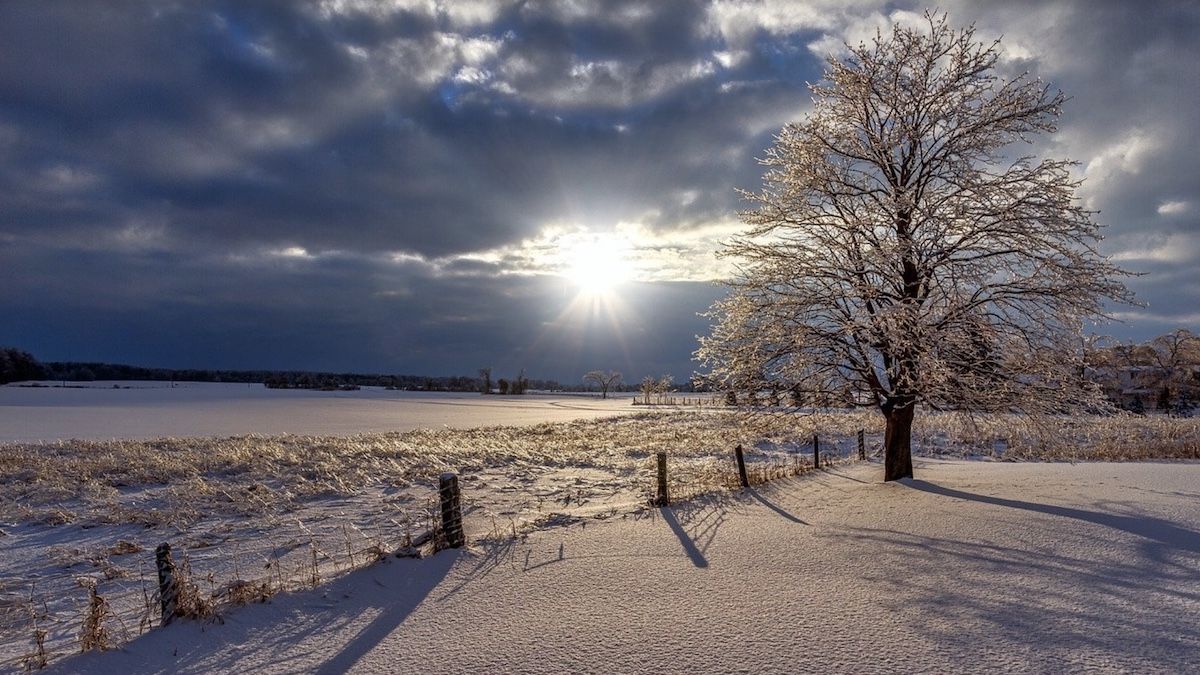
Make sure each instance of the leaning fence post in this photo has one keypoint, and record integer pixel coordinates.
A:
(168, 589)
(452, 528)
(816, 452)
(862, 446)
(662, 499)
(741, 464)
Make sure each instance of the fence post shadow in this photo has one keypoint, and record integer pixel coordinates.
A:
(774, 507)
(689, 547)
(397, 604)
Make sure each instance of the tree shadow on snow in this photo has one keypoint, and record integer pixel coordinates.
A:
(1166, 533)
(1051, 609)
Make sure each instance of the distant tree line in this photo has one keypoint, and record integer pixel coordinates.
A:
(1161, 374)
(17, 366)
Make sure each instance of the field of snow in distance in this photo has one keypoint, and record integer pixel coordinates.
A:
(140, 410)
(976, 567)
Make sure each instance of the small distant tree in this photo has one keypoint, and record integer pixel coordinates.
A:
(1175, 349)
(485, 374)
(902, 246)
(519, 385)
(649, 386)
(655, 386)
(604, 380)
(1174, 355)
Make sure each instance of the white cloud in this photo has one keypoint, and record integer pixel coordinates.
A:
(1173, 319)
(1174, 208)
(1172, 248)
(472, 75)
(458, 13)
(1126, 155)
(650, 255)
(604, 83)
(731, 59)
(292, 252)
(737, 21)
(431, 59)
(862, 29)
(64, 178)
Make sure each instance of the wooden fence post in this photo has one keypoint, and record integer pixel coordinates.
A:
(816, 452)
(168, 587)
(452, 528)
(862, 446)
(741, 464)
(663, 499)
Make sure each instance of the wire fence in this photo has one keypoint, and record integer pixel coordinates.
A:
(102, 595)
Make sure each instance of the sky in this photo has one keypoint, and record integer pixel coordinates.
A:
(434, 187)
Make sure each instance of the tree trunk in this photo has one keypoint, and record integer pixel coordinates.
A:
(897, 442)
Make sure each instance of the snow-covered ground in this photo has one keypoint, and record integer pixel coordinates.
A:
(97, 410)
(281, 510)
(974, 567)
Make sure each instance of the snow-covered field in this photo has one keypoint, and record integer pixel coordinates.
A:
(97, 410)
(289, 512)
(975, 567)
(282, 510)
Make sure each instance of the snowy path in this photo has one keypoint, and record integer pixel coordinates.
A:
(978, 567)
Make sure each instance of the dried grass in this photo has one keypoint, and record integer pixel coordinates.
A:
(173, 483)
(190, 601)
(93, 633)
(241, 592)
(1116, 438)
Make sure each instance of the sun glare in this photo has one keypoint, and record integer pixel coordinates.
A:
(596, 264)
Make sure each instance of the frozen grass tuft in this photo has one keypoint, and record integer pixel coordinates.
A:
(93, 634)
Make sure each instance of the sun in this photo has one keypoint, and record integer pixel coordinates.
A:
(596, 264)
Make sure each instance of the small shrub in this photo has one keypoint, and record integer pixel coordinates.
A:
(93, 634)
(36, 660)
(240, 592)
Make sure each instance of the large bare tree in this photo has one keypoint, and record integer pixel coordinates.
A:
(605, 380)
(905, 250)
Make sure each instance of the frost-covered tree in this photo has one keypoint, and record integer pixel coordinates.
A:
(604, 380)
(657, 386)
(906, 248)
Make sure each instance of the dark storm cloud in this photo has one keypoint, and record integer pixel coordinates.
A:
(292, 184)
(1130, 69)
(352, 313)
(248, 124)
